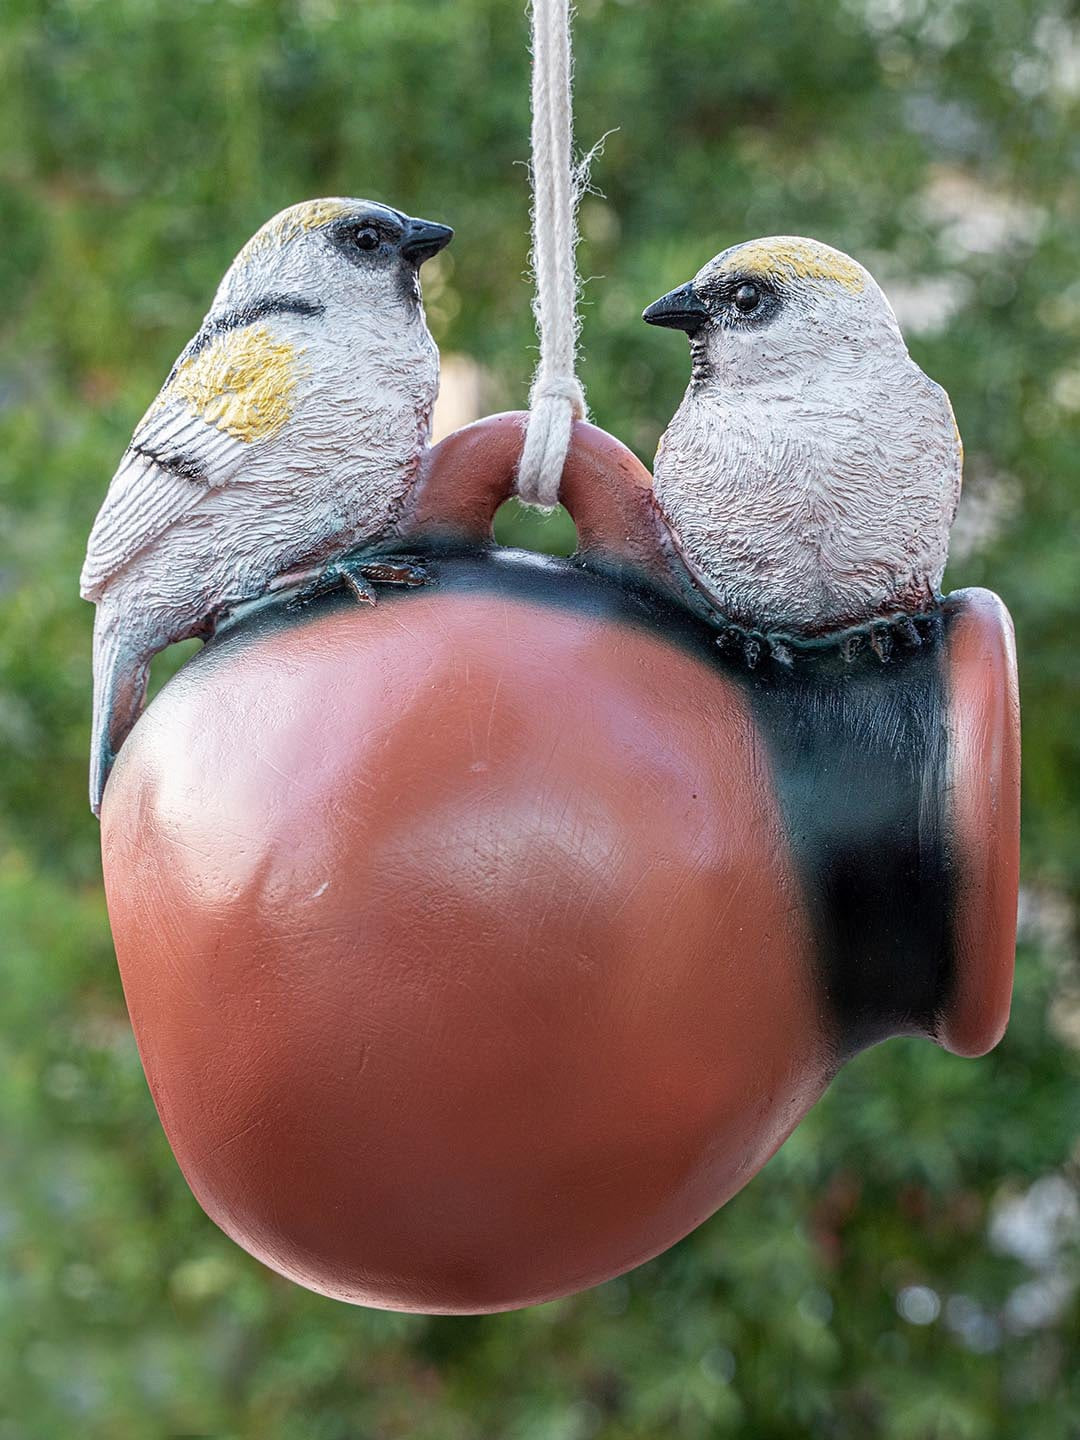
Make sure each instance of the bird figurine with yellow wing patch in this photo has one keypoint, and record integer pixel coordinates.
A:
(287, 434)
(811, 474)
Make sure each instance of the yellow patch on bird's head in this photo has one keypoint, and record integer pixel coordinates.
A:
(790, 257)
(296, 220)
(241, 381)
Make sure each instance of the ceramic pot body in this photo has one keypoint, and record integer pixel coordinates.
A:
(479, 944)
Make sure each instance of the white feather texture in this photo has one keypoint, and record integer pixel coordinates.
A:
(289, 431)
(812, 471)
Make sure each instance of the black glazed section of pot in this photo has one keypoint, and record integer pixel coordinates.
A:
(858, 750)
(859, 754)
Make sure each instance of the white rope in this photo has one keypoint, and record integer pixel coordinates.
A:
(556, 399)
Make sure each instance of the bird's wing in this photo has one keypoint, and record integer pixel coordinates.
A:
(227, 395)
(173, 459)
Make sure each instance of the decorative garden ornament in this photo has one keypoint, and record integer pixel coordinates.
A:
(479, 945)
(812, 471)
(289, 431)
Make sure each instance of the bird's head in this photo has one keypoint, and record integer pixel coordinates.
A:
(778, 309)
(347, 251)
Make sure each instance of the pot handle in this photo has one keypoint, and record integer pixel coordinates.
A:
(983, 726)
(605, 487)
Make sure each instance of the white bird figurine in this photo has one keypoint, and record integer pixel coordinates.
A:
(811, 474)
(288, 433)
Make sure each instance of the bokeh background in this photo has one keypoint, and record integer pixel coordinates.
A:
(908, 1266)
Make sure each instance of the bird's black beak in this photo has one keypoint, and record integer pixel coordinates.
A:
(679, 309)
(423, 239)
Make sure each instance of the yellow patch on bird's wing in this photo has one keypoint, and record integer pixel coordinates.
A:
(797, 259)
(290, 223)
(242, 382)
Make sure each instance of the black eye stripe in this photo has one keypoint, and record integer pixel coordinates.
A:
(721, 295)
(363, 241)
(722, 289)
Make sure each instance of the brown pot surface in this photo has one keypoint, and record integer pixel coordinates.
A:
(462, 945)
(481, 943)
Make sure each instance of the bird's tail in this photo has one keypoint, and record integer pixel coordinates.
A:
(120, 676)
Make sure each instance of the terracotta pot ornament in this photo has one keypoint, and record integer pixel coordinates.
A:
(481, 942)
(487, 920)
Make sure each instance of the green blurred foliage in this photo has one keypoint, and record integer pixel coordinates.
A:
(875, 1280)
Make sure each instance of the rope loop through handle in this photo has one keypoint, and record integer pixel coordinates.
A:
(556, 399)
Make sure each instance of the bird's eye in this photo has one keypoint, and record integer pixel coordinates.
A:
(747, 298)
(366, 237)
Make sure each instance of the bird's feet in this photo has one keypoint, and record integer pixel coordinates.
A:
(751, 647)
(404, 570)
(890, 637)
(886, 639)
(360, 575)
